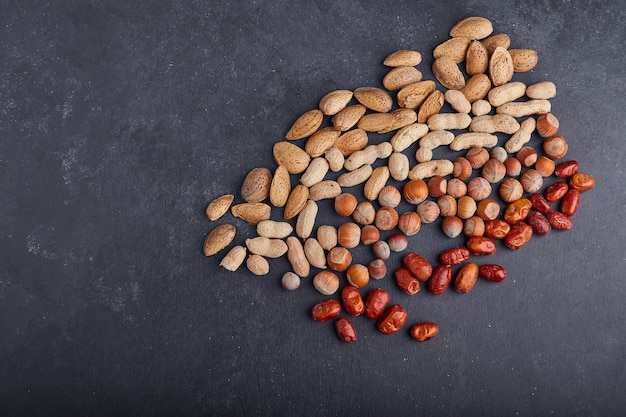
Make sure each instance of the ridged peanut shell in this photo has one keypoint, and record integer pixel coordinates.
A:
(292, 157)
(266, 247)
(376, 182)
(297, 257)
(234, 258)
(305, 125)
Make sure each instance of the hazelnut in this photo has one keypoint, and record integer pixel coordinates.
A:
(290, 281)
(437, 186)
(386, 218)
(377, 269)
(397, 242)
(358, 275)
(547, 125)
(456, 188)
(527, 156)
(349, 235)
(499, 153)
(327, 237)
(462, 169)
(415, 191)
(477, 156)
(531, 180)
(555, 147)
(493, 171)
(479, 188)
(364, 213)
(452, 226)
(545, 166)
(345, 204)
(369, 234)
(326, 282)
(409, 223)
(511, 190)
(513, 166)
(488, 209)
(428, 211)
(447, 205)
(339, 258)
(474, 226)
(381, 249)
(466, 207)
(389, 196)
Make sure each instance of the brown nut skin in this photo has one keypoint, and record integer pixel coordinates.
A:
(517, 211)
(454, 256)
(566, 169)
(326, 310)
(492, 272)
(440, 279)
(392, 319)
(555, 191)
(570, 203)
(481, 245)
(539, 222)
(352, 301)
(407, 282)
(582, 182)
(519, 236)
(539, 203)
(417, 265)
(375, 303)
(345, 330)
(559, 220)
(424, 331)
(466, 277)
(497, 228)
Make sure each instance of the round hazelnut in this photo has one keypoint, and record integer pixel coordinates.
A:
(466, 207)
(326, 282)
(386, 218)
(513, 166)
(511, 190)
(437, 186)
(349, 235)
(545, 166)
(479, 188)
(409, 223)
(345, 204)
(290, 281)
(357, 275)
(447, 205)
(555, 147)
(456, 188)
(397, 242)
(493, 171)
(527, 156)
(531, 180)
(547, 125)
(477, 156)
(452, 226)
(474, 226)
(377, 269)
(339, 258)
(369, 234)
(364, 213)
(488, 209)
(499, 153)
(462, 169)
(381, 249)
(428, 211)
(415, 191)
(389, 196)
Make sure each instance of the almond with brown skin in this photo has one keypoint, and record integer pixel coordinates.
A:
(448, 73)
(455, 49)
(321, 141)
(413, 95)
(523, 59)
(280, 187)
(348, 117)
(473, 27)
(477, 59)
(256, 186)
(296, 201)
(252, 213)
(403, 57)
(401, 118)
(432, 105)
(399, 77)
(493, 41)
(374, 98)
(305, 125)
(234, 258)
(477, 87)
(352, 141)
(292, 157)
(218, 207)
(218, 239)
(500, 66)
(335, 101)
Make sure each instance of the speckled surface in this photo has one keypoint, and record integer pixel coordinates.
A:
(120, 121)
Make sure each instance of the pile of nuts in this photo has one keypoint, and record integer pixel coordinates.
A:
(488, 192)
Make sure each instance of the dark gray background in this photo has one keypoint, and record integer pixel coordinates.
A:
(121, 120)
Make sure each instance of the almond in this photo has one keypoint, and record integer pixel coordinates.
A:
(352, 141)
(280, 187)
(493, 41)
(401, 118)
(375, 122)
(335, 101)
(477, 87)
(305, 125)
(374, 98)
(296, 201)
(219, 206)
(292, 157)
(256, 186)
(477, 60)
(455, 49)
(432, 105)
(523, 59)
(473, 27)
(252, 213)
(403, 57)
(413, 95)
(500, 66)
(348, 117)
(448, 73)
(219, 238)
(399, 77)
(321, 141)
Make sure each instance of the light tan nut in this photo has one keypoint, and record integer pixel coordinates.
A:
(321, 141)
(398, 166)
(314, 253)
(358, 176)
(306, 219)
(266, 247)
(403, 57)
(375, 122)
(280, 187)
(256, 185)
(449, 121)
(291, 156)
(522, 136)
(542, 90)
(218, 239)
(219, 206)
(494, 123)
(234, 258)
(374, 98)
(273, 229)
(376, 182)
(500, 66)
(481, 107)
(477, 59)
(432, 105)
(327, 236)
(431, 141)
(335, 101)
(473, 139)
(402, 76)
(258, 265)
(315, 173)
(458, 101)
(476, 87)
(408, 135)
(437, 167)
(506, 93)
(297, 257)
(368, 155)
(524, 60)
(524, 108)
(401, 118)
(335, 159)
(493, 41)
(296, 201)
(348, 117)
(252, 213)
(473, 27)
(448, 73)
(454, 48)
(324, 190)
(413, 95)
(305, 125)
(352, 141)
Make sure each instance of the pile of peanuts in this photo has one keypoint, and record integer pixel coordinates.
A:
(491, 190)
